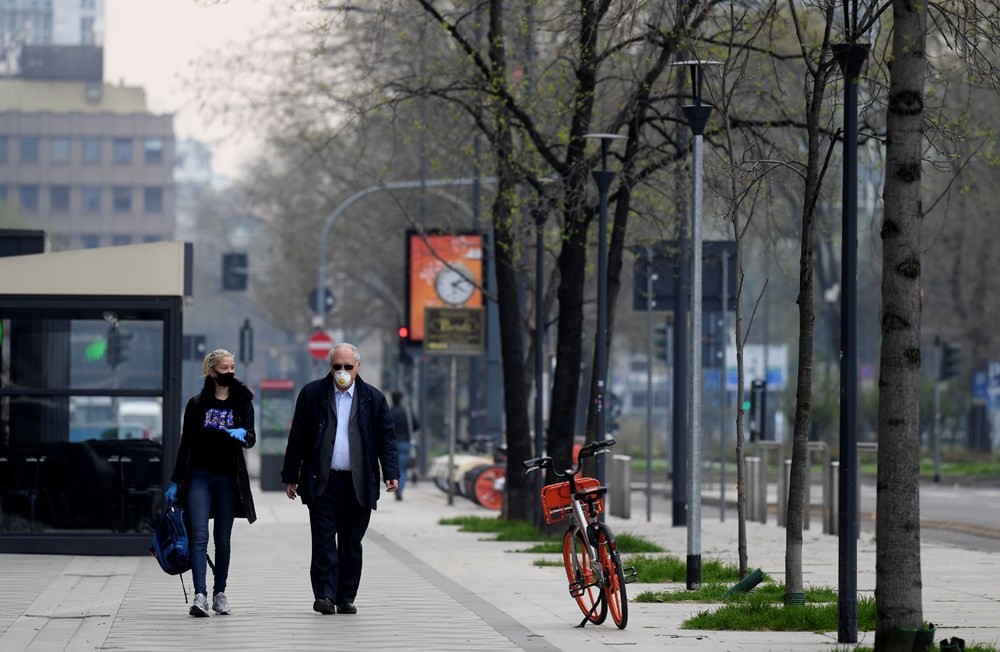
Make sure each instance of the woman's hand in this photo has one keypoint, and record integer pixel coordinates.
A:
(237, 433)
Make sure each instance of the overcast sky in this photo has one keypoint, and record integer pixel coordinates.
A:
(154, 43)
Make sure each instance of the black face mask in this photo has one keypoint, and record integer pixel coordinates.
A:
(225, 380)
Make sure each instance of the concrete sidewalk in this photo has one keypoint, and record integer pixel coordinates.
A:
(429, 587)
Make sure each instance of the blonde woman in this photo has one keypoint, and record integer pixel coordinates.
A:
(210, 479)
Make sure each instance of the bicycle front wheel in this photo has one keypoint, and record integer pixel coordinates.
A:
(580, 572)
(614, 576)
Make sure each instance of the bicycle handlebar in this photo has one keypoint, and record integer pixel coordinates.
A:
(589, 450)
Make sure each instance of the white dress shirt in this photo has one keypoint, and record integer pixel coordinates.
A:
(341, 444)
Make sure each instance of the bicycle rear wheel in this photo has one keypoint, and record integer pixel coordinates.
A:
(580, 572)
(487, 486)
(614, 576)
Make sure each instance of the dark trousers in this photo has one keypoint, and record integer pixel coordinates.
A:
(337, 523)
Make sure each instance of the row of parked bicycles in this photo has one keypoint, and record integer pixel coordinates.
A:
(480, 472)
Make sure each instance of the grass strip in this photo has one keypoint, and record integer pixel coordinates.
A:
(759, 614)
(716, 592)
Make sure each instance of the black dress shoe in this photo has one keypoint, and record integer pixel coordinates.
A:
(324, 606)
(346, 608)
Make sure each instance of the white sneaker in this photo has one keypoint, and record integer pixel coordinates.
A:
(199, 608)
(220, 605)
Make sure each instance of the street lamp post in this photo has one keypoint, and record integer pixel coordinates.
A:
(603, 178)
(697, 116)
(851, 57)
(540, 215)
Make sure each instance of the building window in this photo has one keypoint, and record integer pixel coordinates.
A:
(119, 240)
(91, 199)
(3, 195)
(90, 241)
(86, 4)
(121, 198)
(3, 149)
(28, 197)
(153, 150)
(153, 200)
(29, 149)
(59, 199)
(87, 30)
(151, 238)
(122, 150)
(92, 149)
(60, 242)
(60, 149)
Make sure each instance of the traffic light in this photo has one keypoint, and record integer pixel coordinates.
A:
(660, 345)
(246, 342)
(234, 271)
(404, 339)
(951, 360)
(193, 347)
(118, 345)
(758, 410)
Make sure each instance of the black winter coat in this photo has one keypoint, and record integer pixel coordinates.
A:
(302, 465)
(194, 417)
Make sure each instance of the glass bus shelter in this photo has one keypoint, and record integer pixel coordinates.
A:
(89, 395)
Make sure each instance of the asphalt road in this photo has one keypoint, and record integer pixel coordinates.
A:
(964, 516)
(950, 512)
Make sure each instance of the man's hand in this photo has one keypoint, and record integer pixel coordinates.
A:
(391, 485)
(291, 490)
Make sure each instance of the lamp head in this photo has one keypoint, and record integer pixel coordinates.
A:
(697, 68)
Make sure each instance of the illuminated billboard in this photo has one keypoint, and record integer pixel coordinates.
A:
(445, 270)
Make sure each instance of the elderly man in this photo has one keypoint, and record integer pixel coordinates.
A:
(342, 437)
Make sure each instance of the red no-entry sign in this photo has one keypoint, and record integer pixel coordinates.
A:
(320, 344)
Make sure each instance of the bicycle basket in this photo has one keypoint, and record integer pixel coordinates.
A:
(557, 502)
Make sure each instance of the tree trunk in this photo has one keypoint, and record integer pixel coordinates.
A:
(819, 77)
(898, 584)
(572, 260)
(520, 498)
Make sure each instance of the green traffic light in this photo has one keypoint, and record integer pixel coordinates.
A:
(96, 351)
(746, 405)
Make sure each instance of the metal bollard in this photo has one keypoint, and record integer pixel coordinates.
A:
(820, 448)
(834, 496)
(762, 492)
(829, 498)
(752, 471)
(784, 481)
(620, 486)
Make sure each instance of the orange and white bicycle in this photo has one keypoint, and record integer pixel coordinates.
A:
(594, 569)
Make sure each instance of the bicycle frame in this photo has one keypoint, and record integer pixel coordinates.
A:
(583, 523)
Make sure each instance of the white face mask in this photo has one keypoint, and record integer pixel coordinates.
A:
(342, 378)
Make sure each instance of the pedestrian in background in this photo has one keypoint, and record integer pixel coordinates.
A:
(210, 478)
(406, 426)
(341, 438)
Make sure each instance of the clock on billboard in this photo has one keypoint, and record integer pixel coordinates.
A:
(454, 284)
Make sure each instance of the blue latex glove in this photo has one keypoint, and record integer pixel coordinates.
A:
(237, 433)
(171, 494)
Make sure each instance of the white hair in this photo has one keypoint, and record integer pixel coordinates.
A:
(354, 350)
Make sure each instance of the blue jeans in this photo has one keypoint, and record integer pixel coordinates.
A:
(404, 459)
(211, 495)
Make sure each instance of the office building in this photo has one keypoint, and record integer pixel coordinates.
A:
(86, 162)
